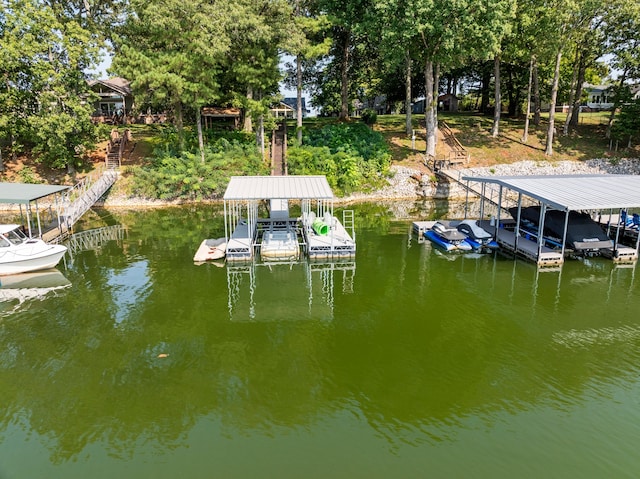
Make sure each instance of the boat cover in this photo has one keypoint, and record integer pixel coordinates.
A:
(583, 233)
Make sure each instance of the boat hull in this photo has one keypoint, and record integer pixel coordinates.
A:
(211, 250)
(279, 246)
(447, 245)
(24, 262)
(475, 244)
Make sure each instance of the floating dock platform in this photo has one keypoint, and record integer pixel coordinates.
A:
(318, 233)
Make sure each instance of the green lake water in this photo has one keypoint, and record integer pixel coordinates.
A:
(405, 363)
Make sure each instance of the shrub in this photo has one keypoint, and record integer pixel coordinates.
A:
(184, 176)
(351, 156)
(369, 117)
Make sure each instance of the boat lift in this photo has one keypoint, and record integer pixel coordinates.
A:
(25, 194)
(317, 231)
(566, 193)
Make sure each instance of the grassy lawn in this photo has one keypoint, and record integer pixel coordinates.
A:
(587, 141)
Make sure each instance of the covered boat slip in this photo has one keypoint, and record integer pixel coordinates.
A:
(24, 194)
(603, 197)
(281, 237)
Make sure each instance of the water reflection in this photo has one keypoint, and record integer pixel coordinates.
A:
(17, 290)
(277, 291)
(413, 351)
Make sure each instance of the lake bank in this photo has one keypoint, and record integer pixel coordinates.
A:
(413, 184)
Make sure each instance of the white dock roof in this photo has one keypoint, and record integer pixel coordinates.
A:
(278, 187)
(574, 192)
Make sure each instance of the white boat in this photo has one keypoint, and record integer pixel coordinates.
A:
(21, 254)
(211, 249)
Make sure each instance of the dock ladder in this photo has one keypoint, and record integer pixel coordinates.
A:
(349, 223)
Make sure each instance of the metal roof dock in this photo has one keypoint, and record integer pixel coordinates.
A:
(603, 194)
(278, 187)
(573, 192)
(244, 229)
(25, 193)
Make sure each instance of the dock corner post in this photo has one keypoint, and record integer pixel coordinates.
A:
(564, 232)
(226, 229)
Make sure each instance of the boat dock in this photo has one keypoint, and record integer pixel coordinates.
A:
(279, 236)
(598, 195)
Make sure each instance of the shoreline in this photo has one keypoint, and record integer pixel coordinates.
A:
(409, 183)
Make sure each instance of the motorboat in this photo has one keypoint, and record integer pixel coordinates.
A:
(21, 254)
(211, 250)
(477, 237)
(583, 234)
(446, 235)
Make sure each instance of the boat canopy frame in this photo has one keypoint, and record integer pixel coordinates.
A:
(244, 193)
(567, 193)
(26, 194)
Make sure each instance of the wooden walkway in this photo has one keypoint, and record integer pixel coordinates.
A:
(279, 151)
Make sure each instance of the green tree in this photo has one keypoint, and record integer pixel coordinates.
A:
(43, 95)
(173, 52)
(450, 34)
(623, 43)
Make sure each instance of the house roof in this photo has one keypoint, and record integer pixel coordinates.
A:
(574, 192)
(118, 84)
(293, 102)
(23, 193)
(278, 187)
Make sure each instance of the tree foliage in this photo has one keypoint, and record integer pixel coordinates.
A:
(350, 155)
(45, 47)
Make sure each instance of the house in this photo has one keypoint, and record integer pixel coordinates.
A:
(446, 102)
(598, 97)
(288, 107)
(115, 100)
(282, 110)
(378, 104)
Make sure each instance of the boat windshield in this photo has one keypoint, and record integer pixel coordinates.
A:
(14, 237)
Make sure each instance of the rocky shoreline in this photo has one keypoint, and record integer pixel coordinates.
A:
(409, 183)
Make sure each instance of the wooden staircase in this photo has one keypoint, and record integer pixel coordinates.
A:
(115, 148)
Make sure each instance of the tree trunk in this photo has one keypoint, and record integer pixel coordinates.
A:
(248, 125)
(429, 107)
(616, 102)
(200, 135)
(177, 111)
(498, 98)
(575, 116)
(344, 79)
(572, 90)
(299, 99)
(552, 107)
(536, 95)
(260, 135)
(407, 94)
(486, 80)
(436, 94)
(525, 134)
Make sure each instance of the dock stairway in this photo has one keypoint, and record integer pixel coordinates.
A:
(456, 156)
(78, 200)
